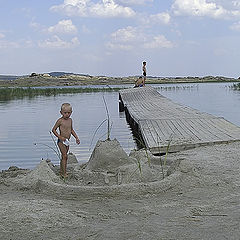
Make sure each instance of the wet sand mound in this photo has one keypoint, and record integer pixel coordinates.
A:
(42, 172)
(109, 171)
(106, 156)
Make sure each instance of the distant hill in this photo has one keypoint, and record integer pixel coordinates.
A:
(58, 74)
(8, 77)
(53, 74)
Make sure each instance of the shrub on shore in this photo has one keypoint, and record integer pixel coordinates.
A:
(236, 86)
(7, 94)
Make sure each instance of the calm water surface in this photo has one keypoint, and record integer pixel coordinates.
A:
(28, 121)
(25, 122)
(214, 98)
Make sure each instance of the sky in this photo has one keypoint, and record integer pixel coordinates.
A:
(114, 37)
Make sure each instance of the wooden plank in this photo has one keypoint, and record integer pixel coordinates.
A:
(161, 120)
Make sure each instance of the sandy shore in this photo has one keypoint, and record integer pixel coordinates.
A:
(200, 200)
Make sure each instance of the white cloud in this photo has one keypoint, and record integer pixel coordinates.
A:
(28, 43)
(124, 38)
(160, 18)
(235, 26)
(159, 41)
(93, 58)
(56, 42)
(22, 43)
(85, 29)
(133, 38)
(220, 52)
(128, 34)
(202, 8)
(134, 2)
(236, 3)
(7, 44)
(87, 8)
(4, 44)
(119, 46)
(63, 27)
(34, 25)
(2, 35)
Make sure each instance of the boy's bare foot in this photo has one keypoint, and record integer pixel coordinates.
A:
(64, 177)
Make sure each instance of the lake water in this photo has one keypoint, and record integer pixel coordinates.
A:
(28, 121)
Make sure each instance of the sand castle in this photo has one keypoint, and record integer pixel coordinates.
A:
(109, 172)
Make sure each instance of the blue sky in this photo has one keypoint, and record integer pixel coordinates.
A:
(113, 37)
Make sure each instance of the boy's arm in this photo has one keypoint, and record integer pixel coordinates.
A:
(76, 137)
(54, 130)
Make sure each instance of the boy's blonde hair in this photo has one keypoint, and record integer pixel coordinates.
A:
(66, 106)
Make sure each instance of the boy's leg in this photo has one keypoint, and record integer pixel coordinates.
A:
(63, 162)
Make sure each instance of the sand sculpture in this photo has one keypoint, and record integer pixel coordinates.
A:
(109, 171)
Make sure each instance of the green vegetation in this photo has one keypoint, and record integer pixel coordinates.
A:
(108, 119)
(7, 94)
(176, 88)
(108, 125)
(235, 86)
(55, 150)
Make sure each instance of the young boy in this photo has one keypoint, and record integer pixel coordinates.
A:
(65, 131)
(144, 72)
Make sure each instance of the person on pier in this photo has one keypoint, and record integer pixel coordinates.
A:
(144, 72)
(139, 82)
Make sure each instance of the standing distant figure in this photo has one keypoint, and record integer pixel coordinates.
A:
(144, 72)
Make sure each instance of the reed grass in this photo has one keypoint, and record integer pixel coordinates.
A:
(7, 94)
(55, 144)
(142, 144)
(235, 86)
(55, 150)
(47, 146)
(109, 126)
(160, 159)
(176, 88)
(163, 163)
(167, 150)
(108, 119)
(139, 166)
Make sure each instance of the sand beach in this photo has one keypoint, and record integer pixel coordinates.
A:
(198, 198)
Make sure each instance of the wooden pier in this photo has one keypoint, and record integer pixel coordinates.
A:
(163, 123)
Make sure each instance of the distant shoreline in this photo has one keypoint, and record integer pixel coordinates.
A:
(83, 80)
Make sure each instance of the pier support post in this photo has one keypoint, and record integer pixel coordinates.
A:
(120, 104)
